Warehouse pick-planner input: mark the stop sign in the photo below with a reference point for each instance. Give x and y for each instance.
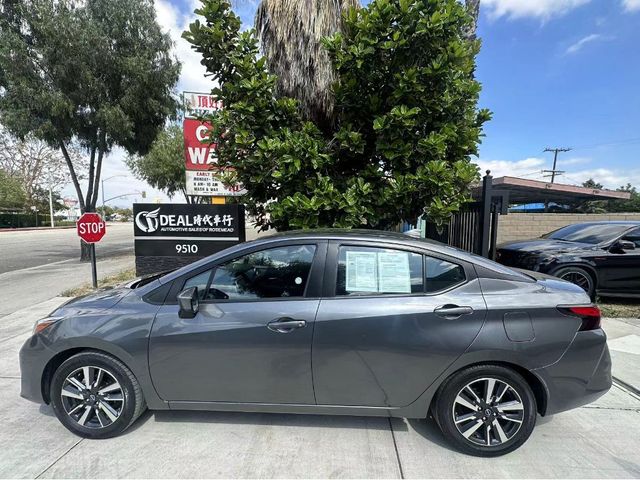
(91, 227)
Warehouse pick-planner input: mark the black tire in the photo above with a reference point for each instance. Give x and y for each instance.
(578, 276)
(106, 415)
(502, 431)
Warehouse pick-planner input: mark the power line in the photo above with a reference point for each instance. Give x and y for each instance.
(555, 160)
(628, 141)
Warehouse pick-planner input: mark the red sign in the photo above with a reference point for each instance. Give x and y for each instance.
(199, 154)
(91, 227)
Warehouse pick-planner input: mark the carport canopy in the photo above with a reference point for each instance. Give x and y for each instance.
(523, 190)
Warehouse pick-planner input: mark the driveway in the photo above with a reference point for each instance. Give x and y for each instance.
(600, 440)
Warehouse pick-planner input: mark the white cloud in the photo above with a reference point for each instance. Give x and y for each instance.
(532, 168)
(609, 178)
(174, 22)
(501, 168)
(577, 46)
(631, 5)
(542, 9)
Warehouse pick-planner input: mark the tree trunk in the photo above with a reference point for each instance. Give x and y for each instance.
(85, 251)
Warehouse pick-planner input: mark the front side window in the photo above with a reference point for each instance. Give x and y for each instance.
(273, 273)
(200, 281)
(378, 271)
(633, 236)
(441, 275)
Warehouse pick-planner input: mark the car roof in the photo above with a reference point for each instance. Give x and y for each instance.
(631, 223)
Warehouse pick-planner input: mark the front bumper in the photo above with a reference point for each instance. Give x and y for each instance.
(581, 376)
(34, 357)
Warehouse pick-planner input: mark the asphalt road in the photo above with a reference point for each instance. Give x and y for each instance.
(36, 265)
(32, 248)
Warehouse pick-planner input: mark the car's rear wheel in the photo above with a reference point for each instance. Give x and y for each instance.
(95, 395)
(579, 277)
(486, 410)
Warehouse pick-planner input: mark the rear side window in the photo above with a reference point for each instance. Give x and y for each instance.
(378, 271)
(441, 275)
(273, 273)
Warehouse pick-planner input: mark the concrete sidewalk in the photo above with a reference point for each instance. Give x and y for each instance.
(600, 440)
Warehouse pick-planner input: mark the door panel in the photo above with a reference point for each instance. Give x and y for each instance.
(227, 353)
(385, 351)
(251, 338)
(619, 270)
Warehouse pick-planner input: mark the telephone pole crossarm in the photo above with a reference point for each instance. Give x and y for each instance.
(555, 160)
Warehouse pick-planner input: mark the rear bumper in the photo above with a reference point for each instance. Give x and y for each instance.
(581, 376)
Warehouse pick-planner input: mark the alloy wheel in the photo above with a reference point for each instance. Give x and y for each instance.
(577, 278)
(488, 412)
(92, 397)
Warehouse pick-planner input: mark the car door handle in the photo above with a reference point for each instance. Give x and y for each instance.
(452, 311)
(286, 325)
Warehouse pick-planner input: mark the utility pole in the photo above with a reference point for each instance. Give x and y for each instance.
(555, 161)
(51, 206)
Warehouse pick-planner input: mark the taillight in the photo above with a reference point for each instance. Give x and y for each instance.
(590, 316)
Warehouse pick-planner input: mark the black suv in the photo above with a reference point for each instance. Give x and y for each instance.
(601, 257)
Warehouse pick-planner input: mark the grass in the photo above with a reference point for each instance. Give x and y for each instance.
(111, 281)
(619, 307)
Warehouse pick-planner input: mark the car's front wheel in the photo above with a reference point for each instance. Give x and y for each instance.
(486, 410)
(95, 395)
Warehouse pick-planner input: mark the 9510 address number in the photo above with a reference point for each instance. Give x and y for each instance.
(185, 248)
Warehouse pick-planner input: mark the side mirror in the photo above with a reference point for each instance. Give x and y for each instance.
(188, 302)
(624, 245)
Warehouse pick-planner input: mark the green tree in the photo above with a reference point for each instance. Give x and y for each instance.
(98, 72)
(406, 121)
(631, 205)
(163, 166)
(12, 195)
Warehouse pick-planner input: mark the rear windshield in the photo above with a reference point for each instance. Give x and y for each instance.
(592, 233)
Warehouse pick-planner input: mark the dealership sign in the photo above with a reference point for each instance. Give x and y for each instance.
(179, 230)
(198, 104)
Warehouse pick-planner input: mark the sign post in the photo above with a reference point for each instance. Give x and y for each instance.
(91, 228)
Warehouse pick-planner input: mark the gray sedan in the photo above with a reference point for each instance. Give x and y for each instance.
(327, 322)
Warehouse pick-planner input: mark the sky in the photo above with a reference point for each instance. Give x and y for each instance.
(555, 73)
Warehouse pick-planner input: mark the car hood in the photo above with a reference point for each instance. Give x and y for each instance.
(100, 300)
(543, 245)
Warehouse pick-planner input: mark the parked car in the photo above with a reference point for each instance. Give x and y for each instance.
(600, 257)
(329, 322)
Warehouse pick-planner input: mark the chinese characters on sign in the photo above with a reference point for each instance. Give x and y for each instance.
(199, 104)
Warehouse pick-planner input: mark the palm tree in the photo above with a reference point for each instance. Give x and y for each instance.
(290, 32)
(473, 7)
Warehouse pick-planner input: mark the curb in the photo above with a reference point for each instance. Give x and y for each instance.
(28, 229)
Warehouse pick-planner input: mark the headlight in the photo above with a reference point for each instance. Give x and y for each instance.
(44, 323)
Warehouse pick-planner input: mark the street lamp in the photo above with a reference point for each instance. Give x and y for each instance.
(104, 180)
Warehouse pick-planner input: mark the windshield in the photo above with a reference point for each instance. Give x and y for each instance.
(592, 233)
